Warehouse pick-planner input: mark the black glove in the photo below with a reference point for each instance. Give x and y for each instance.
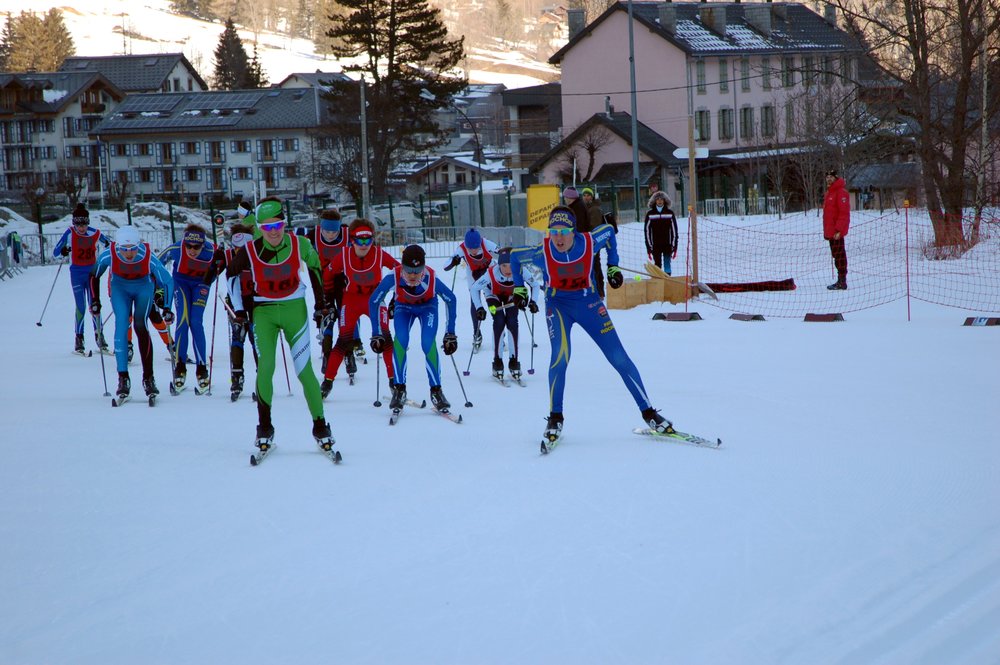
(377, 343)
(533, 307)
(480, 313)
(65, 250)
(241, 317)
(520, 298)
(454, 262)
(168, 316)
(391, 309)
(158, 298)
(319, 315)
(450, 344)
(95, 308)
(615, 277)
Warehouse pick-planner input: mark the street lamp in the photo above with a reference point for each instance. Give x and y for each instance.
(479, 159)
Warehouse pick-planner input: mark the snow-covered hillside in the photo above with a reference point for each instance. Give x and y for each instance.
(97, 27)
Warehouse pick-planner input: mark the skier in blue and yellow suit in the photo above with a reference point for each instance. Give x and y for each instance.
(566, 258)
(194, 272)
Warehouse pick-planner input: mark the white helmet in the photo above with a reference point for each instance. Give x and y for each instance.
(127, 236)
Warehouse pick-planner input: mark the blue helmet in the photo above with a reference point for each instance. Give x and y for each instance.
(473, 240)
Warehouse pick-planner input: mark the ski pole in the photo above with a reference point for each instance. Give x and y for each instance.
(96, 319)
(466, 372)
(378, 380)
(284, 360)
(39, 322)
(211, 350)
(459, 375)
(531, 329)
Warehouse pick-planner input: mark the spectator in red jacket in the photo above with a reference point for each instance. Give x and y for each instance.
(836, 220)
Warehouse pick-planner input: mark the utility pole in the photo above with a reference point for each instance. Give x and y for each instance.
(635, 121)
(364, 152)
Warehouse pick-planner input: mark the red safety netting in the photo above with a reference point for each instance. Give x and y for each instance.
(891, 255)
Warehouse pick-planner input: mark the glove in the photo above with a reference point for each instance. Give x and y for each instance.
(533, 307)
(493, 309)
(319, 315)
(377, 343)
(450, 344)
(95, 308)
(615, 277)
(241, 317)
(454, 262)
(158, 298)
(391, 309)
(65, 250)
(520, 297)
(481, 313)
(168, 316)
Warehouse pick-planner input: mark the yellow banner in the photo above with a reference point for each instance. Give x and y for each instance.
(541, 199)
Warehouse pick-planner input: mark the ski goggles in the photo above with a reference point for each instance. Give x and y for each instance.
(362, 240)
(276, 225)
(560, 231)
(81, 221)
(413, 270)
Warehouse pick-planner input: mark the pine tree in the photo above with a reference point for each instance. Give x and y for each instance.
(256, 76)
(58, 41)
(27, 43)
(186, 7)
(6, 43)
(401, 48)
(231, 63)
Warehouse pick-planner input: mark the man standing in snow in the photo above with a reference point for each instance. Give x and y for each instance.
(836, 220)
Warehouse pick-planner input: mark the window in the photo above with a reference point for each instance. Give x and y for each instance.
(215, 177)
(215, 151)
(723, 75)
(167, 183)
(144, 175)
(745, 74)
(827, 70)
(746, 122)
(240, 146)
(702, 126)
(242, 173)
(765, 73)
(177, 85)
(699, 68)
(119, 150)
(290, 171)
(267, 150)
(190, 84)
(191, 175)
(767, 121)
(808, 70)
(269, 175)
(289, 145)
(121, 176)
(845, 67)
(788, 72)
(725, 124)
(190, 148)
(143, 149)
(790, 129)
(166, 153)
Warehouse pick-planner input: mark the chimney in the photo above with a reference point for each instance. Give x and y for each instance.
(576, 20)
(780, 10)
(759, 18)
(668, 17)
(714, 18)
(609, 108)
(830, 14)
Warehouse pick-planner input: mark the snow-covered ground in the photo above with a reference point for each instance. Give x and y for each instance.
(97, 25)
(851, 516)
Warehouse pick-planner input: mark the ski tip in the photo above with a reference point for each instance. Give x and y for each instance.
(544, 449)
(337, 457)
(114, 402)
(152, 401)
(253, 460)
(718, 443)
(459, 419)
(423, 404)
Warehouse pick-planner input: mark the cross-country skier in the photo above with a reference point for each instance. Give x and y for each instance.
(276, 261)
(566, 258)
(355, 274)
(80, 244)
(417, 290)
(239, 236)
(194, 272)
(494, 292)
(478, 254)
(135, 275)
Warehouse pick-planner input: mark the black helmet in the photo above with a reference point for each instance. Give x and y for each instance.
(414, 257)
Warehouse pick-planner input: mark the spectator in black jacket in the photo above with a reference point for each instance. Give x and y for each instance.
(660, 230)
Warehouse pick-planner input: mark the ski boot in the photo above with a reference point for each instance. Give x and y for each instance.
(498, 369)
(101, 342)
(657, 422)
(321, 432)
(124, 386)
(180, 375)
(477, 341)
(236, 385)
(131, 352)
(438, 400)
(514, 365)
(398, 396)
(149, 385)
(553, 428)
(201, 372)
(359, 352)
(78, 346)
(352, 366)
(325, 387)
(264, 443)
(839, 285)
